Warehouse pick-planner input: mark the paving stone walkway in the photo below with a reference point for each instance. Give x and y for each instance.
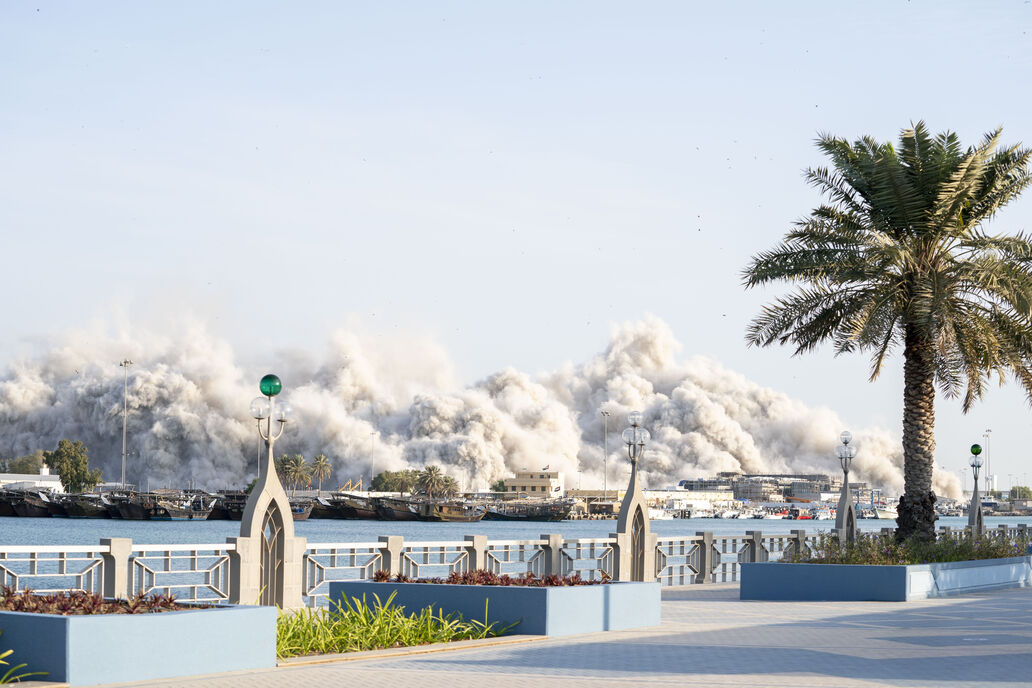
(711, 638)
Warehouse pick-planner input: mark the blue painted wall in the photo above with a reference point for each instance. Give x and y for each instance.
(549, 611)
(87, 650)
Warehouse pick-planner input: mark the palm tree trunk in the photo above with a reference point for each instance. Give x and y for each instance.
(916, 510)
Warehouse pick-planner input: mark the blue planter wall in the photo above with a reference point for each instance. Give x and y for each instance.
(549, 611)
(111, 648)
(779, 581)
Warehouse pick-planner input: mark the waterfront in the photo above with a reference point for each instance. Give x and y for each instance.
(63, 531)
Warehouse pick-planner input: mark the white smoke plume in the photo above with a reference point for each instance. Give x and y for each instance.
(395, 406)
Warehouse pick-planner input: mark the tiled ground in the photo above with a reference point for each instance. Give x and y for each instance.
(710, 638)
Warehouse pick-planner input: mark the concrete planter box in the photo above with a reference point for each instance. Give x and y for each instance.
(113, 648)
(777, 581)
(548, 611)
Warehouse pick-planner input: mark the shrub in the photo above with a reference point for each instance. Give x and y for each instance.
(355, 625)
(75, 602)
(884, 550)
(481, 577)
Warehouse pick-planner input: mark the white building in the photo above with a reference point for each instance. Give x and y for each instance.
(31, 481)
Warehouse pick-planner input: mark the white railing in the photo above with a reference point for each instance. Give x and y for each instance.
(203, 572)
(193, 573)
(50, 569)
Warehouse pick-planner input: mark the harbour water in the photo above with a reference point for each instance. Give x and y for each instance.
(63, 531)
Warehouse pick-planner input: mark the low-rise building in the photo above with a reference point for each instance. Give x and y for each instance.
(543, 483)
(31, 481)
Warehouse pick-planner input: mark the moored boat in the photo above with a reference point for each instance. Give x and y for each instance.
(398, 509)
(528, 511)
(301, 509)
(448, 511)
(31, 505)
(86, 506)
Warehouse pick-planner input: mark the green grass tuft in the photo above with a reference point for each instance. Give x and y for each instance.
(356, 625)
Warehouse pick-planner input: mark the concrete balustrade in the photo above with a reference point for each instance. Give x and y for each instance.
(118, 567)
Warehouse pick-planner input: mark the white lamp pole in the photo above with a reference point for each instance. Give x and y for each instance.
(125, 410)
(605, 455)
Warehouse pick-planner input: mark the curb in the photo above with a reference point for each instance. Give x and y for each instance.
(393, 652)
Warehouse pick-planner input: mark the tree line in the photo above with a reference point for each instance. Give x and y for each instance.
(69, 461)
(431, 481)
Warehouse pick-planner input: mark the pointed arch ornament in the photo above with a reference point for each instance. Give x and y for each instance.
(635, 551)
(267, 555)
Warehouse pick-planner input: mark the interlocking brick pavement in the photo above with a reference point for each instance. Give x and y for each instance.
(710, 638)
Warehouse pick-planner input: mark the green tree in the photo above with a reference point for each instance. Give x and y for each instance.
(1020, 492)
(899, 257)
(72, 465)
(450, 488)
(431, 481)
(28, 464)
(396, 481)
(320, 469)
(297, 471)
(498, 485)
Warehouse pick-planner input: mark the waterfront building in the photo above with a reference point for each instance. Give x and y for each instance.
(544, 483)
(31, 481)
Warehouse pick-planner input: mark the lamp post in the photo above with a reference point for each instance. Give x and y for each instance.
(975, 521)
(988, 461)
(125, 410)
(265, 408)
(267, 556)
(635, 544)
(605, 455)
(845, 517)
(372, 437)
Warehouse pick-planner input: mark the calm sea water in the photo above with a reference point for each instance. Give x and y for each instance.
(63, 531)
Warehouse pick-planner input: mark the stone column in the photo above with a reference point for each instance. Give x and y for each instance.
(390, 553)
(553, 550)
(116, 567)
(476, 552)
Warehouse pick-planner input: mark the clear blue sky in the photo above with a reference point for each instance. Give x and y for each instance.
(510, 178)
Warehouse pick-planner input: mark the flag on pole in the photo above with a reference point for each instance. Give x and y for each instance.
(557, 488)
(546, 467)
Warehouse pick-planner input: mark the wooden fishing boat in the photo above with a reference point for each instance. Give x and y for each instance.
(522, 511)
(359, 506)
(31, 505)
(57, 507)
(86, 506)
(301, 508)
(446, 511)
(398, 510)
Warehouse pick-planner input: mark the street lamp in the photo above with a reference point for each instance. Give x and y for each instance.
(988, 461)
(125, 410)
(635, 437)
(605, 456)
(845, 517)
(975, 520)
(265, 408)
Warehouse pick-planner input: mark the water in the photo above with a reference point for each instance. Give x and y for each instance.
(63, 531)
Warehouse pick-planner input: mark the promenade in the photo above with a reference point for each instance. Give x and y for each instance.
(710, 638)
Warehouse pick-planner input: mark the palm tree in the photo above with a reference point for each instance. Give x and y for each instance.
(899, 258)
(320, 469)
(432, 480)
(296, 471)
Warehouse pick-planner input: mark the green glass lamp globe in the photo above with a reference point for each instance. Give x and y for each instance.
(976, 449)
(270, 385)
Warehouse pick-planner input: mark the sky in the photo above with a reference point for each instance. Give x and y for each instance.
(508, 180)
